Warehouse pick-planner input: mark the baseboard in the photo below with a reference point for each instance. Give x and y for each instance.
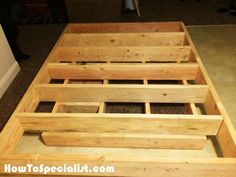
(8, 78)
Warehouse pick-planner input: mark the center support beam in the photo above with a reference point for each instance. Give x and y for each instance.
(123, 123)
(123, 140)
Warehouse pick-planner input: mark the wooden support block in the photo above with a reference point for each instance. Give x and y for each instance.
(191, 108)
(123, 140)
(123, 39)
(123, 123)
(77, 107)
(102, 107)
(170, 71)
(147, 104)
(122, 54)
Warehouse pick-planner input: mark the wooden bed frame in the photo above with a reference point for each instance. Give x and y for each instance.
(85, 59)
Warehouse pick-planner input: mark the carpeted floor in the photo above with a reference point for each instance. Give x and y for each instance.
(38, 40)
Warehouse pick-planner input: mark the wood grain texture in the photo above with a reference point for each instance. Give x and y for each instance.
(152, 71)
(116, 140)
(123, 54)
(130, 123)
(122, 93)
(123, 39)
(125, 27)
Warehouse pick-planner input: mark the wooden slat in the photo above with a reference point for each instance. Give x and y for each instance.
(132, 166)
(123, 140)
(123, 39)
(122, 54)
(152, 71)
(10, 136)
(147, 104)
(122, 93)
(125, 123)
(191, 106)
(125, 27)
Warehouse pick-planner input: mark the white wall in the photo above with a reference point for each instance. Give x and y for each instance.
(9, 68)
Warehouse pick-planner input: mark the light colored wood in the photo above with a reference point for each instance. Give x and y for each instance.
(147, 104)
(121, 140)
(77, 107)
(123, 39)
(122, 54)
(122, 93)
(151, 71)
(218, 125)
(192, 107)
(132, 166)
(226, 139)
(31, 102)
(124, 27)
(10, 136)
(58, 105)
(102, 107)
(130, 123)
(45, 78)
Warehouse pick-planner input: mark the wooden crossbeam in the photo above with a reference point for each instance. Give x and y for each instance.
(122, 93)
(123, 39)
(123, 54)
(151, 71)
(129, 123)
(125, 27)
(123, 140)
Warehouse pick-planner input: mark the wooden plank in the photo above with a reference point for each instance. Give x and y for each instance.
(119, 140)
(191, 107)
(122, 93)
(124, 123)
(129, 166)
(123, 39)
(151, 71)
(122, 54)
(125, 27)
(147, 104)
(10, 136)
